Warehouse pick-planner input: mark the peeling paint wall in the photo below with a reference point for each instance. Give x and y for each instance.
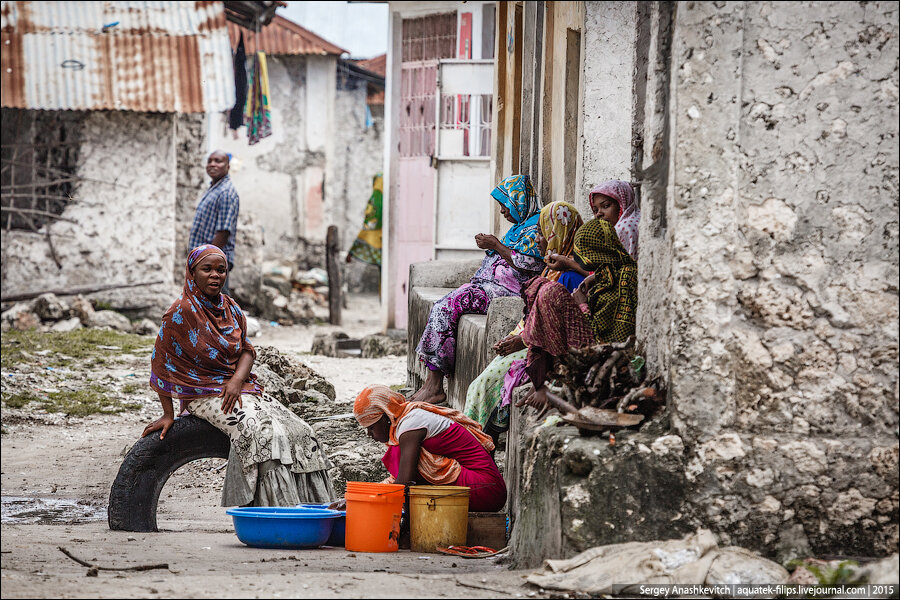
(123, 213)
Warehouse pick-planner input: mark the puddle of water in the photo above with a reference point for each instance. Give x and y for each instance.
(48, 511)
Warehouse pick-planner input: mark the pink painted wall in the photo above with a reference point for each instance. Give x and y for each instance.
(415, 226)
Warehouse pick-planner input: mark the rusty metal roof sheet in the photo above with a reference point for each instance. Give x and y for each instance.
(283, 36)
(377, 64)
(141, 56)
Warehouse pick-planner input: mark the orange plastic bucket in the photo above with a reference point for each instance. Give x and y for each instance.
(373, 516)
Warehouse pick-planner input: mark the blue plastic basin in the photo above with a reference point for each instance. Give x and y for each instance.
(283, 527)
(339, 532)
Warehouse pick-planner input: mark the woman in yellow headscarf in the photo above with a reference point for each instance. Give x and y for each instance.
(559, 221)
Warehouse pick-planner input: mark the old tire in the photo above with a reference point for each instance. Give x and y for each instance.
(147, 466)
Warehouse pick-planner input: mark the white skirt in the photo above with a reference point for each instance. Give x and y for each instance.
(275, 458)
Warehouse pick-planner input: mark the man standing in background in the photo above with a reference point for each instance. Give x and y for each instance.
(215, 221)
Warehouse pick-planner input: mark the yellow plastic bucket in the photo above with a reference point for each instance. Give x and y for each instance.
(438, 516)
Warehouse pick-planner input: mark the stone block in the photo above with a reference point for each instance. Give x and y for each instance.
(377, 345)
(442, 273)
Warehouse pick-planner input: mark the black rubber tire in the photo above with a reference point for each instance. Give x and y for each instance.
(135, 492)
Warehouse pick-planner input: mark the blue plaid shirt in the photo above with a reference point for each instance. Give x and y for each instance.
(217, 211)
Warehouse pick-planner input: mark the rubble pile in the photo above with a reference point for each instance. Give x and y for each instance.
(49, 313)
(288, 295)
(354, 456)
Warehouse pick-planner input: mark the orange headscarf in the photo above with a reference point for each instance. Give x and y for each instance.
(377, 400)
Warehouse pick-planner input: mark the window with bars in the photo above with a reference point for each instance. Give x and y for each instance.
(37, 166)
(429, 38)
(426, 40)
(466, 124)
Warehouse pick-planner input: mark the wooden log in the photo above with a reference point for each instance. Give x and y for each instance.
(90, 289)
(334, 276)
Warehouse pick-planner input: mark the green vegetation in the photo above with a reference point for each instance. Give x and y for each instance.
(80, 403)
(135, 388)
(61, 349)
(18, 400)
(844, 573)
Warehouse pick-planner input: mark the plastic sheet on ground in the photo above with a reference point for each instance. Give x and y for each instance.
(694, 559)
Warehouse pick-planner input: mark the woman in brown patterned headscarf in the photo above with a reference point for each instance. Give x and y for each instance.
(202, 357)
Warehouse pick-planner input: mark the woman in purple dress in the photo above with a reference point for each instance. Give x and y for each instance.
(508, 265)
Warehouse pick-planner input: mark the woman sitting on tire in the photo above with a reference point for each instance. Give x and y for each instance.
(203, 358)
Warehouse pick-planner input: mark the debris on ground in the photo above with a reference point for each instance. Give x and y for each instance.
(338, 344)
(697, 558)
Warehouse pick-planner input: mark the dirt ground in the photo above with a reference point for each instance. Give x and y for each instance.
(57, 472)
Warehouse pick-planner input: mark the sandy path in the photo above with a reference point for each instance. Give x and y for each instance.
(76, 459)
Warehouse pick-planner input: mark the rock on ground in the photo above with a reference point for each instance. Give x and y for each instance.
(111, 319)
(326, 343)
(66, 325)
(50, 308)
(378, 345)
(83, 309)
(146, 327)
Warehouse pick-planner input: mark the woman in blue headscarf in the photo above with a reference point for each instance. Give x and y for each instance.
(508, 265)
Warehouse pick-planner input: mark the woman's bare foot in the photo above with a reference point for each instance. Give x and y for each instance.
(432, 390)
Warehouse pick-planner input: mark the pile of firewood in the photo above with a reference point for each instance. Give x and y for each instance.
(609, 376)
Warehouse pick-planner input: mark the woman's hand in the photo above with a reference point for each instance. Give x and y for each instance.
(339, 504)
(162, 424)
(560, 262)
(486, 241)
(508, 345)
(580, 293)
(231, 395)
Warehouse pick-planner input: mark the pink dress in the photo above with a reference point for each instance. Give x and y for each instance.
(479, 472)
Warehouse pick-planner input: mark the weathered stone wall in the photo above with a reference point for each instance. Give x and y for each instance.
(358, 156)
(281, 178)
(123, 213)
(609, 32)
(191, 180)
(768, 293)
(778, 321)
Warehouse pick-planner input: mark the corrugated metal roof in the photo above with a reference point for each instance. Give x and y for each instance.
(158, 57)
(282, 36)
(377, 64)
